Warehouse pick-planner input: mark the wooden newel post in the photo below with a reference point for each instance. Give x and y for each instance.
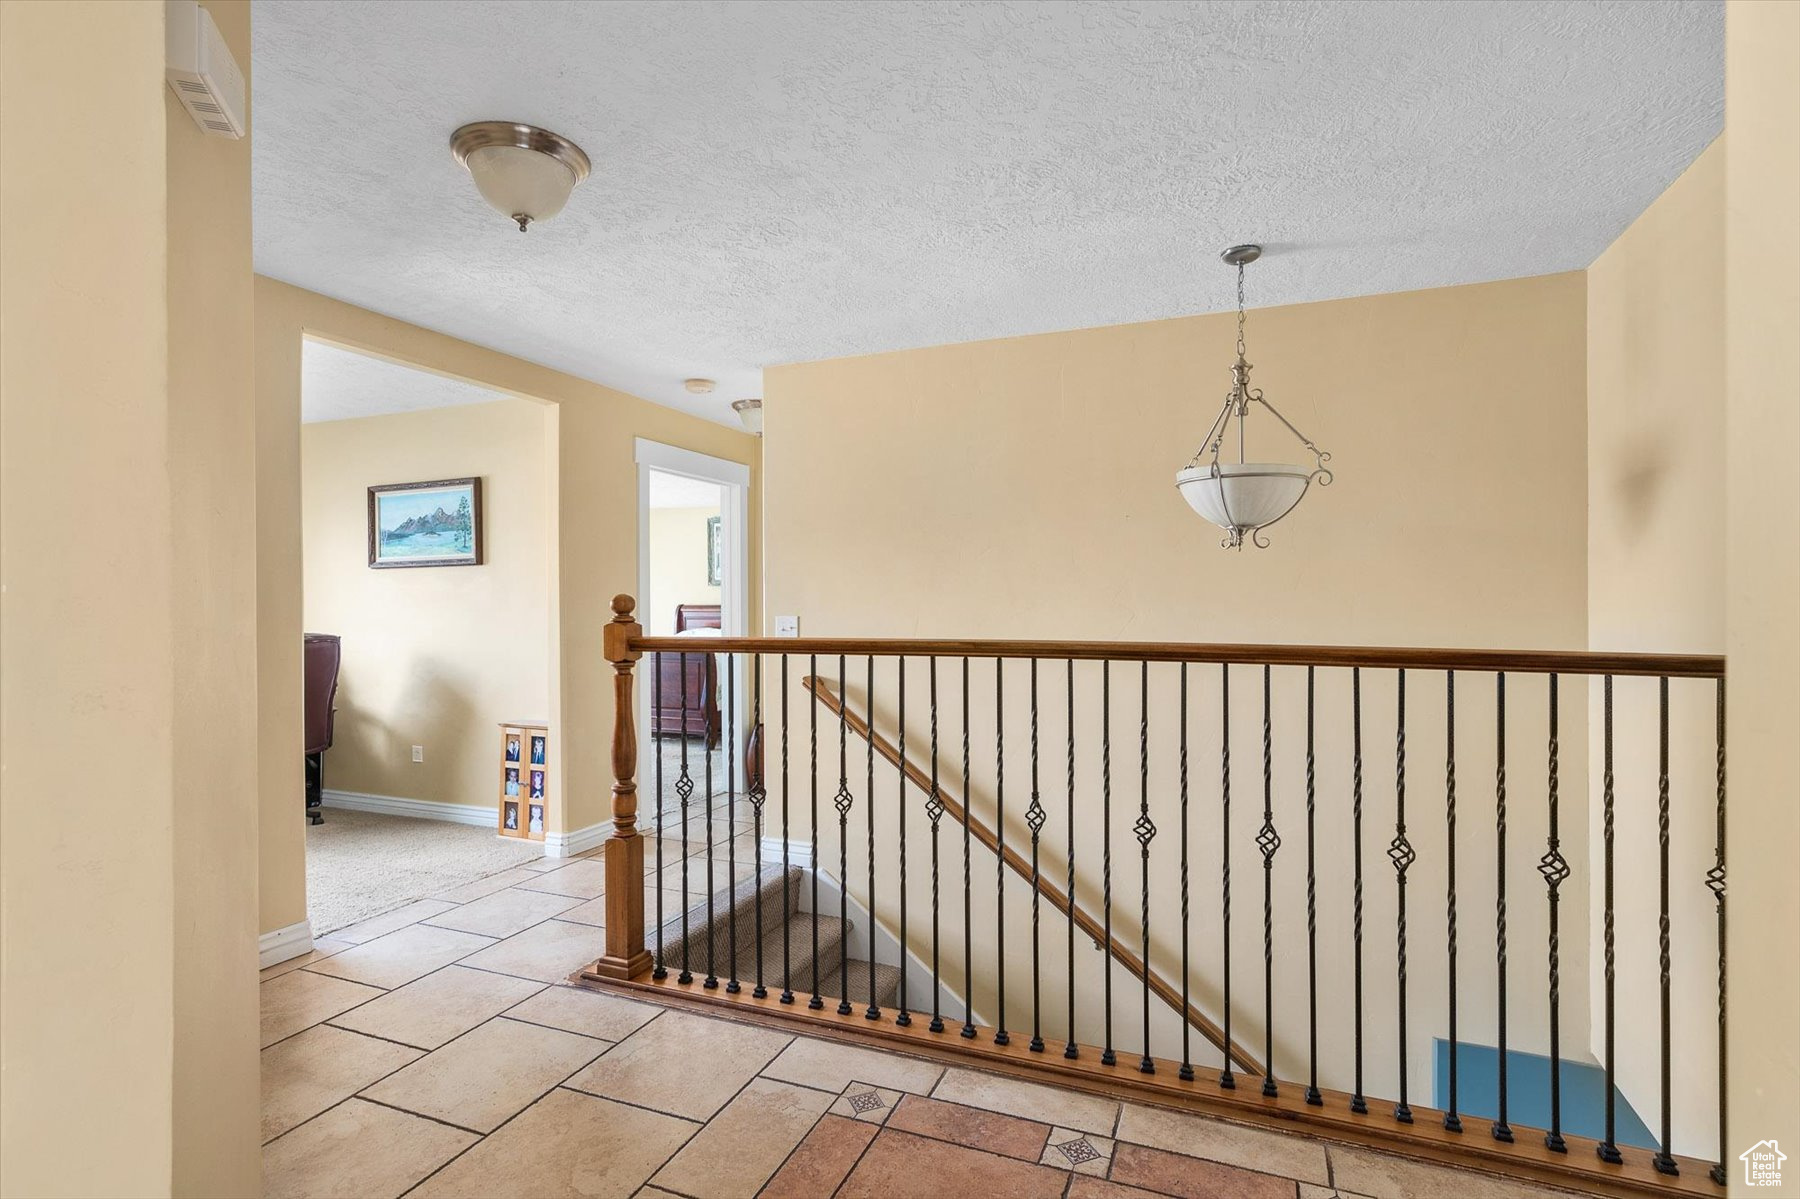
(625, 955)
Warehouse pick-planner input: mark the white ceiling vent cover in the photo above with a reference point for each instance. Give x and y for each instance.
(199, 66)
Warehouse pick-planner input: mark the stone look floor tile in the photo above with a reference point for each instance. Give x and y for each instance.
(322, 948)
(831, 1066)
(897, 1163)
(548, 952)
(565, 1146)
(1216, 1140)
(822, 1160)
(1081, 1187)
(357, 1150)
(485, 1076)
(542, 864)
(469, 892)
(583, 878)
(399, 957)
(1193, 1178)
(862, 1102)
(438, 1008)
(1050, 1105)
(1072, 1149)
(503, 913)
(307, 1073)
(593, 911)
(1361, 1172)
(590, 1013)
(387, 922)
(682, 1064)
(746, 1142)
(301, 999)
(992, 1132)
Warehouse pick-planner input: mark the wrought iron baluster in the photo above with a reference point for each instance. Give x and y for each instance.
(706, 801)
(1664, 1160)
(1000, 1034)
(872, 1011)
(1554, 869)
(1400, 851)
(759, 793)
(1608, 1148)
(843, 801)
(684, 789)
(1070, 1051)
(729, 739)
(1034, 820)
(904, 1018)
(1501, 1129)
(1269, 841)
(1186, 1072)
(968, 1028)
(1358, 1103)
(787, 903)
(1715, 882)
(812, 864)
(1452, 1118)
(1313, 1096)
(934, 811)
(661, 971)
(1227, 1079)
(1107, 1056)
(1146, 832)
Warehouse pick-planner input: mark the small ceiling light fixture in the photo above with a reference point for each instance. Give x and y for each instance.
(700, 387)
(525, 172)
(1244, 498)
(750, 412)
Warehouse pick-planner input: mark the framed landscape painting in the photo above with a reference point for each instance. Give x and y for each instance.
(425, 524)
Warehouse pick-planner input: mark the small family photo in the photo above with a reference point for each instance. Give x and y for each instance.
(537, 784)
(512, 813)
(512, 749)
(537, 751)
(512, 784)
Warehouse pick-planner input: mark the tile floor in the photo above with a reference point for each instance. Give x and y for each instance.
(436, 1051)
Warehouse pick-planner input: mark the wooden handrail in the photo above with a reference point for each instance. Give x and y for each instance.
(1095, 930)
(1578, 662)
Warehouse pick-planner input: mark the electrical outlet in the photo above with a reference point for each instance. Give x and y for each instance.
(418, 753)
(787, 626)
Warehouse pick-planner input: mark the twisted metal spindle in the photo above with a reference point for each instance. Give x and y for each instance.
(1400, 851)
(1358, 1103)
(1000, 1034)
(817, 1001)
(1186, 1072)
(843, 801)
(934, 810)
(1146, 832)
(1502, 1131)
(1034, 820)
(1227, 1080)
(787, 903)
(1107, 1056)
(904, 1018)
(684, 789)
(1554, 869)
(759, 794)
(873, 1011)
(1664, 1159)
(732, 986)
(712, 973)
(1715, 882)
(1608, 1149)
(661, 971)
(1070, 1051)
(1269, 841)
(1313, 1096)
(968, 1027)
(1452, 1118)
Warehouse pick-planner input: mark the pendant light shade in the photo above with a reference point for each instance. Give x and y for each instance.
(1243, 498)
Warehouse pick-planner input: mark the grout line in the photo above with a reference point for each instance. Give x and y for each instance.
(407, 1111)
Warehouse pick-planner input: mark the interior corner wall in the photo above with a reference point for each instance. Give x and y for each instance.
(438, 656)
(1762, 572)
(1656, 583)
(128, 1015)
(593, 523)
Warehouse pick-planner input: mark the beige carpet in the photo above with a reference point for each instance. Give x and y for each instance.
(360, 864)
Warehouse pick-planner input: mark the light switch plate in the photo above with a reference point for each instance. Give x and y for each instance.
(787, 626)
(418, 753)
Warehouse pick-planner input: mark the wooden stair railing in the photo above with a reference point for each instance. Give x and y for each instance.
(1086, 921)
(1555, 1156)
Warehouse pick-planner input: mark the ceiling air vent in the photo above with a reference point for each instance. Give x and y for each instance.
(200, 69)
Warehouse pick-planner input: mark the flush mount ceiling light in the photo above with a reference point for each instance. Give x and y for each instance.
(700, 387)
(1241, 497)
(525, 172)
(750, 412)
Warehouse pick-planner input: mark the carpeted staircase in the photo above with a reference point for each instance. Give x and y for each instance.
(806, 938)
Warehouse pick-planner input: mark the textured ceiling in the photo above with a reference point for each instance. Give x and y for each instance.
(779, 182)
(337, 384)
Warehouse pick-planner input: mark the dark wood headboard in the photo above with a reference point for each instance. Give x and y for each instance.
(696, 616)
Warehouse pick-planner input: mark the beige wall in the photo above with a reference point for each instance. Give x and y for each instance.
(432, 657)
(593, 526)
(1762, 367)
(128, 1002)
(1024, 488)
(677, 565)
(1656, 582)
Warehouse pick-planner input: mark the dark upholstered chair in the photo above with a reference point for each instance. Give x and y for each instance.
(322, 654)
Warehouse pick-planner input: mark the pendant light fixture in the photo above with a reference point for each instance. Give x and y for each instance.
(1242, 497)
(526, 173)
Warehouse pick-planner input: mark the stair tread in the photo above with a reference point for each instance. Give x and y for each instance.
(887, 983)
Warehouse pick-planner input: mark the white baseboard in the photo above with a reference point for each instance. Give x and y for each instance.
(799, 853)
(556, 845)
(284, 944)
(420, 809)
(567, 845)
